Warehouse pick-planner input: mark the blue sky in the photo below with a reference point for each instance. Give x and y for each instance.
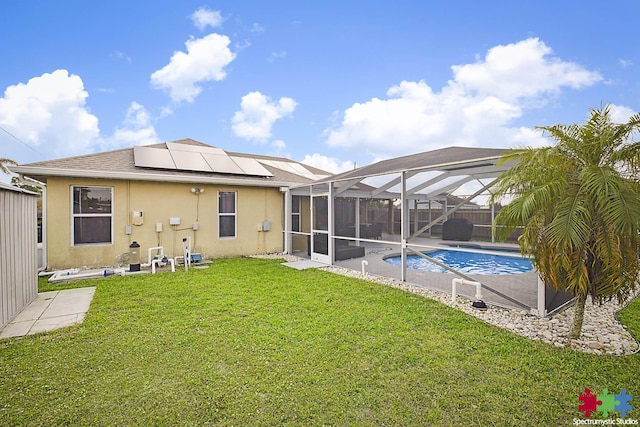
(327, 83)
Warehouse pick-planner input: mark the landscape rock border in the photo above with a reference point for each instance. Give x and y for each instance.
(602, 333)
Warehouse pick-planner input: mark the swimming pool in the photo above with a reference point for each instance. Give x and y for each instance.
(466, 262)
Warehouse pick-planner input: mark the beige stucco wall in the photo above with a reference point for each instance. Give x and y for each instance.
(159, 202)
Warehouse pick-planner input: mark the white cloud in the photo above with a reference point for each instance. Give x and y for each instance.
(258, 114)
(276, 55)
(256, 28)
(49, 112)
(620, 113)
(522, 70)
(278, 145)
(203, 18)
(136, 129)
(475, 108)
(120, 56)
(205, 60)
(625, 63)
(329, 164)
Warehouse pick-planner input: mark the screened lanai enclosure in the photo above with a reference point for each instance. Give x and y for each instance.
(399, 218)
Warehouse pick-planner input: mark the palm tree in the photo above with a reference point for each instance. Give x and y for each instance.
(579, 203)
(4, 162)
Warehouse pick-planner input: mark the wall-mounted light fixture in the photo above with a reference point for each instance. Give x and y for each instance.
(196, 190)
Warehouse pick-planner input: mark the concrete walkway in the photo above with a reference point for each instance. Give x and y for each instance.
(49, 311)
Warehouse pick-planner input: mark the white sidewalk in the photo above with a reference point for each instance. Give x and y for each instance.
(51, 310)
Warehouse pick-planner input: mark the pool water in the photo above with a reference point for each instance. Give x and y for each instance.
(466, 262)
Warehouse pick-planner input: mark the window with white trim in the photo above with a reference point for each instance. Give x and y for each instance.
(92, 215)
(295, 213)
(226, 214)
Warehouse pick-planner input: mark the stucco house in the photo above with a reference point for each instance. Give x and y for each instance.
(224, 203)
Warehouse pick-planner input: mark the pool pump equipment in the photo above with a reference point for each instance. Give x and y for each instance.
(134, 256)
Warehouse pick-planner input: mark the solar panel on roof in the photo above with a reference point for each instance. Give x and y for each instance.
(290, 167)
(303, 171)
(197, 158)
(153, 158)
(222, 164)
(175, 146)
(268, 162)
(285, 166)
(190, 161)
(251, 166)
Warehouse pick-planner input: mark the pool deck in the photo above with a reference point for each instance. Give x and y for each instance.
(516, 291)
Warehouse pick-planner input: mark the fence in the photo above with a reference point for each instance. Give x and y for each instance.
(479, 217)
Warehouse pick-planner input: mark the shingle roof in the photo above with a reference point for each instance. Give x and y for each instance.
(121, 164)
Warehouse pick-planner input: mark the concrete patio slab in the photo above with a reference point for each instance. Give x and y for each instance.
(49, 311)
(302, 265)
(34, 310)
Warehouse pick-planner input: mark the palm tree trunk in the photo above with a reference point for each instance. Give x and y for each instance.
(578, 317)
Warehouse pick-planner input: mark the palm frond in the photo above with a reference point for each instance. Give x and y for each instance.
(578, 202)
(5, 161)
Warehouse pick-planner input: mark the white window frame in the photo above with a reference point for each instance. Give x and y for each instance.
(91, 215)
(227, 214)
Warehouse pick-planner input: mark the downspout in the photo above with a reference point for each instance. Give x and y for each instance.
(43, 187)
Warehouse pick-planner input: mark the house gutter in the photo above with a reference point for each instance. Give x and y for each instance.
(136, 176)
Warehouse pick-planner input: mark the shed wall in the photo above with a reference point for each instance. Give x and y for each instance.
(18, 253)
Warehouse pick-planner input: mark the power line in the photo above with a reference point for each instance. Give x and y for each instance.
(20, 141)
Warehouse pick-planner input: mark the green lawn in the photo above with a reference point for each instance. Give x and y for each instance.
(251, 342)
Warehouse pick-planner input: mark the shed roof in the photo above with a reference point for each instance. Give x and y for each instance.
(7, 187)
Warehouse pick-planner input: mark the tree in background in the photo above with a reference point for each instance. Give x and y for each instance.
(3, 165)
(579, 204)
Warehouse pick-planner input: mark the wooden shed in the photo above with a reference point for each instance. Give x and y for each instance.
(18, 251)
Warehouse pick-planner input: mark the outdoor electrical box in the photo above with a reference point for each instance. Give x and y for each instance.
(195, 226)
(266, 225)
(127, 229)
(158, 227)
(174, 221)
(137, 218)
